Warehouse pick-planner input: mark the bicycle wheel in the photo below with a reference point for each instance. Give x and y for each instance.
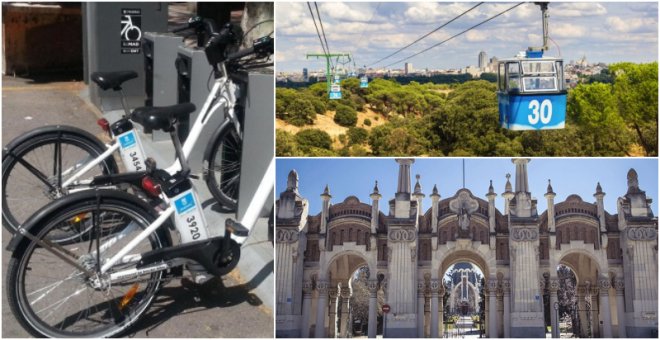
(34, 168)
(50, 297)
(224, 167)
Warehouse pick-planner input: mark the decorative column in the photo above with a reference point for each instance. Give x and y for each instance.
(507, 195)
(435, 198)
(332, 323)
(375, 212)
(492, 308)
(604, 285)
(599, 195)
(435, 285)
(325, 197)
(554, 307)
(420, 308)
(441, 317)
(506, 286)
(582, 309)
(321, 312)
(550, 197)
(620, 307)
(344, 323)
(491, 195)
(373, 305)
(306, 308)
(418, 196)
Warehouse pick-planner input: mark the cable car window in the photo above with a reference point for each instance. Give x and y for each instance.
(534, 84)
(538, 67)
(513, 76)
(335, 88)
(500, 78)
(560, 75)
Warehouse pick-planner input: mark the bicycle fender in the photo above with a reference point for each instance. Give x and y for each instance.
(226, 124)
(34, 133)
(38, 220)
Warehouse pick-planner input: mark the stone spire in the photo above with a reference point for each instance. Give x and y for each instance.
(550, 197)
(549, 190)
(418, 188)
(507, 194)
(600, 205)
(633, 182)
(491, 210)
(292, 181)
(435, 199)
(325, 212)
(418, 196)
(375, 210)
(403, 184)
(521, 174)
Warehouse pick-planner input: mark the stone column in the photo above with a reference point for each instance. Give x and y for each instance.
(554, 318)
(582, 313)
(435, 285)
(345, 311)
(373, 305)
(420, 308)
(506, 285)
(492, 308)
(620, 307)
(332, 323)
(604, 285)
(321, 312)
(441, 316)
(306, 308)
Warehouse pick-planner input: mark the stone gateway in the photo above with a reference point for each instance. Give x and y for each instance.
(614, 257)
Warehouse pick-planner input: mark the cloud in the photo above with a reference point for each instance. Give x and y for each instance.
(577, 9)
(618, 24)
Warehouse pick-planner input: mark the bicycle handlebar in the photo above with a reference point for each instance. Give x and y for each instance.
(262, 46)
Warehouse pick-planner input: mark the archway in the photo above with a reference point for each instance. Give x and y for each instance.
(581, 295)
(343, 270)
(465, 306)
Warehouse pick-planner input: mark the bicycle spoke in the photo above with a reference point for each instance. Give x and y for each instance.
(40, 176)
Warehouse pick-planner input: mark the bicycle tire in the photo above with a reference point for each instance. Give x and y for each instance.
(224, 166)
(82, 305)
(28, 146)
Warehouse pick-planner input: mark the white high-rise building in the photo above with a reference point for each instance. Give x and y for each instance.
(408, 68)
(483, 60)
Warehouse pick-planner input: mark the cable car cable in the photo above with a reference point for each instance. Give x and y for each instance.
(373, 14)
(427, 34)
(322, 30)
(317, 29)
(454, 36)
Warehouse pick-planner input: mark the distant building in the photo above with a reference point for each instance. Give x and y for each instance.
(305, 75)
(483, 60)
(408, 68)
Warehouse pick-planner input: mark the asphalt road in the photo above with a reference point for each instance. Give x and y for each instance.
(227, 307)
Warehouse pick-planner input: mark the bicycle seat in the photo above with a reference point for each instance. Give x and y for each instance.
(161, 118)
(112, 80)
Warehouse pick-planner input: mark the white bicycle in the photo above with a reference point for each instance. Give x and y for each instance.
(100, 279)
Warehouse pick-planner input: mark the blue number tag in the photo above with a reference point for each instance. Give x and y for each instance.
(127, 140)
(335, 95)
(185, 203)
(537, 112)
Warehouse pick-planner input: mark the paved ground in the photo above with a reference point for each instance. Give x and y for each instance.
(238, 305)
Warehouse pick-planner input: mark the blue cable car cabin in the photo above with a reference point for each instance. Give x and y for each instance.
(531, 92)
(335, 91)
(364, 82)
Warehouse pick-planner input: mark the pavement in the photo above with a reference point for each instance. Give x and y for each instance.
(239, 304)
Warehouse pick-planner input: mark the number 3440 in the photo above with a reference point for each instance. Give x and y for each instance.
(540, 111)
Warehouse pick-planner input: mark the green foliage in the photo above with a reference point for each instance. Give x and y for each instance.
(491, 77)
(357, 135)
(614, 113)
(636, 91)
(285, 144)
(345, 116)
(310, 139)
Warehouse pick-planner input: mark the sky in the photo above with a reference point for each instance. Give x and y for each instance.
(602, 31)
(346, 177)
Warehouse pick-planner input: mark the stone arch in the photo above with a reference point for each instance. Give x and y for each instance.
(452, 256)
(573, 255)
(353, 260)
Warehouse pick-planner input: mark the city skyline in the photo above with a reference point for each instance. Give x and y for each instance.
(604, 32)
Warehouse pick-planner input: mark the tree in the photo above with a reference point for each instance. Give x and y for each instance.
(300, 112)
(285, 144)
(345, 116)
(636, 93)
(313, 138)
(357, 135)
(567, 295)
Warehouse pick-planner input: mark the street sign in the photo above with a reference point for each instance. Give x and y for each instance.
(386, 309)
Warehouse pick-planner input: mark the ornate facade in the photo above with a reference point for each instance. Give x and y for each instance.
(407, 251)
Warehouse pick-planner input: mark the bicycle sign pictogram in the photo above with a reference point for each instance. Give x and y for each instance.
(131, 33)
